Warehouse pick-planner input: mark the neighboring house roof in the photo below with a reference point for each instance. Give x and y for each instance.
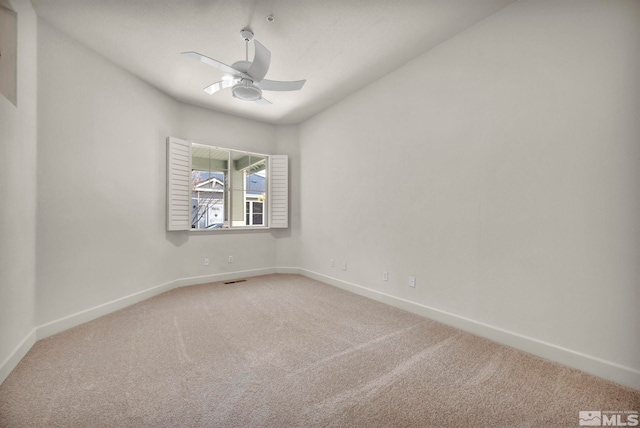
(254, 184)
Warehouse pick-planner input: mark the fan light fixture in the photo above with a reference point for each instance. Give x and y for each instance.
(246, 91)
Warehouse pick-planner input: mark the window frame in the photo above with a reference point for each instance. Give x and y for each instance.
(276, 186)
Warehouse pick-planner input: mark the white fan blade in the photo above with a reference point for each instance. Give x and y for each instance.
(214, 63)
(273, 85)
(260, 64)
(262, 101)
(224, 83)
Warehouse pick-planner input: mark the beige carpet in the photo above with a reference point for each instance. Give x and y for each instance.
(284, 350)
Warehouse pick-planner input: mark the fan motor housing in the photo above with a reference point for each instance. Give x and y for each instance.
(242, 66)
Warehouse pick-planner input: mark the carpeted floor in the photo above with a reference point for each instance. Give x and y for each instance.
(284, 350)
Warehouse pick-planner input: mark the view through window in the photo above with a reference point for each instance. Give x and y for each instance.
(228, 188)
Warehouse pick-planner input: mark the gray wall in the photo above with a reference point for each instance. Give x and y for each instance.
(101, 214)
(18, 145)
(502, 170)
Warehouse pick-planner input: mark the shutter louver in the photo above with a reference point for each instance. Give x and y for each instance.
(178, 184)
(279, 191)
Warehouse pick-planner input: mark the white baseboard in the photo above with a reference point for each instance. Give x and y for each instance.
(609, 370)
(89, 314)
(17, 354)
(65, 323)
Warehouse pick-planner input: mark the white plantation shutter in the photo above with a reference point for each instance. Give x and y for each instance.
(279, 191)
(178, 184)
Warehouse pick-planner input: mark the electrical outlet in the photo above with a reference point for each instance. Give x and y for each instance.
(412, 281)
(206, 261)
(230, 259)
(344, 265)
(385, 276)
(331, 264)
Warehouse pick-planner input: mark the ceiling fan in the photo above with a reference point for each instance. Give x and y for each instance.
(246, 78)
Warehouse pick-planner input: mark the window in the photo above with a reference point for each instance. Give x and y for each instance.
(254, 213)
(212, 188)
(209, 184)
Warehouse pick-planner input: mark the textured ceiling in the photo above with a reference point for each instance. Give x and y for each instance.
(339, 46)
